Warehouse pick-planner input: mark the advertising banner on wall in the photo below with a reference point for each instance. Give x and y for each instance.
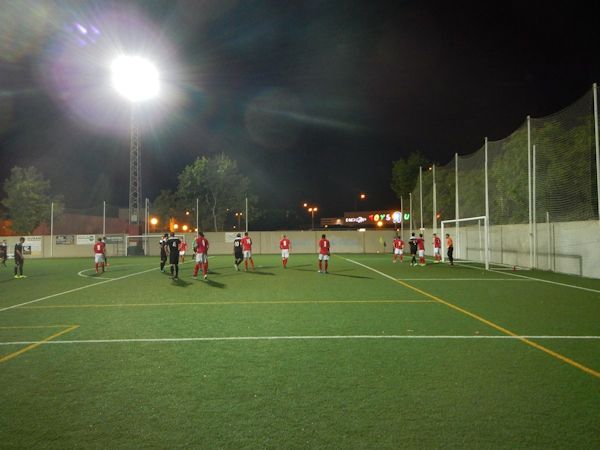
(86, 239)
(33, 245)
(65, 239)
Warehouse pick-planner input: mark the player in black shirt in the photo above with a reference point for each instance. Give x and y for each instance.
(173, 249)
(412, 242)
(3, 252)
(237, 251)
(19, 258)
(163, 251)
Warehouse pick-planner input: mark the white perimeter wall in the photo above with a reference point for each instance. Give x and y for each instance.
(568, 247)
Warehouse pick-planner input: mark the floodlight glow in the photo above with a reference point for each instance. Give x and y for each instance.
(135, 78)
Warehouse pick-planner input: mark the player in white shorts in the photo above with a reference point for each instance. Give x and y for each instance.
(285, 245)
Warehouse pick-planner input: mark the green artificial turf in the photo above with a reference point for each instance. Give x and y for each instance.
(371, 355)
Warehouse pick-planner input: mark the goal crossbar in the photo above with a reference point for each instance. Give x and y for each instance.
(485, 234)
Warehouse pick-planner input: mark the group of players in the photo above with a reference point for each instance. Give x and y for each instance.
(173, 248)
(417, 246)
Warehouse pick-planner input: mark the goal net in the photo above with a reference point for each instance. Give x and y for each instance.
(470, 238)
(145, 245)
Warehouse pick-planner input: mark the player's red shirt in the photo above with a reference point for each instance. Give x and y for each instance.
(201, 244)
(398, 243)
(284, 244)
(99, 247)
(324, 246)
(437, 242)
(421, 243)
(182, 246)
(247, 243)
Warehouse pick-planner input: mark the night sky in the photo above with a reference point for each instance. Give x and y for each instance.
(314, 99)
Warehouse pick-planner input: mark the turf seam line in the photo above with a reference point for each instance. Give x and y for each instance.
(487, 322)
(33, 345)
(290, 338)
(76, 289)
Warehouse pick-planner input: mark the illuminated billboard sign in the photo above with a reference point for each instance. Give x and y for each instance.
(374, 217)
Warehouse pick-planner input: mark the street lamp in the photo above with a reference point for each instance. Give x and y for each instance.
(154, 222)
(312, 210)
(136, 79)
(361, 196)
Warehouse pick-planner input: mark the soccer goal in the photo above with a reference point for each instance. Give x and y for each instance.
(470, 237)
(144, 244)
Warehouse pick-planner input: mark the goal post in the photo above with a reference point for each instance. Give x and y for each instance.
(144, 244)
(473, 239)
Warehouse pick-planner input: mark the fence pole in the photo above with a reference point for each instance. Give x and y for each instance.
(549, 240)
(595, 90)
(421, 196)
(402, 218)
(533, 211)
(529, 191)
(456, 212)
(51, 229)
(197, 215)
(487, 207)
(434, 200)
(410, 211)
(104, 218)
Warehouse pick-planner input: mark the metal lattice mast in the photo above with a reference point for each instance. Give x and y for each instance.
(135, 170)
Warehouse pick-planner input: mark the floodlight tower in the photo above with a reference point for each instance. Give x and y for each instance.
(136, 79)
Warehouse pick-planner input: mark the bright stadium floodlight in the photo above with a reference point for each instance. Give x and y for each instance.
(135, 78)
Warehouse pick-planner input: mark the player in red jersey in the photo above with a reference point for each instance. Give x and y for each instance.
(99, 249)
(398, 249)
(201, 250)
(324, 253)
(247, 247)
(182, 250)
(285, 245)
(437, 245)
(421, 247)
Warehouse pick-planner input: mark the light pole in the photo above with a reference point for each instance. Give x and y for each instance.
(312, 210)
(239, 218)
(136, 79)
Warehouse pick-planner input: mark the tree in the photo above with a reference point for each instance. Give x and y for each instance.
(166, 205)
(28, 199)
(405, 173)
(217, 183)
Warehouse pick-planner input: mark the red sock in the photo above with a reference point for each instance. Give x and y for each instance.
(96, 267)
(320, 265)
(196, 267)
(252, 262)
(326, 265)
(246, 264)
(205, 268)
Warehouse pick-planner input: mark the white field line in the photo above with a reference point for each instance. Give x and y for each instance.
(76, 289)
(550, 282)
(541, 280)
(293, 338)
(460, 279)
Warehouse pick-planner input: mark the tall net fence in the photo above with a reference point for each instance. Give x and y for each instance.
(564, 163)
(542, 179)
